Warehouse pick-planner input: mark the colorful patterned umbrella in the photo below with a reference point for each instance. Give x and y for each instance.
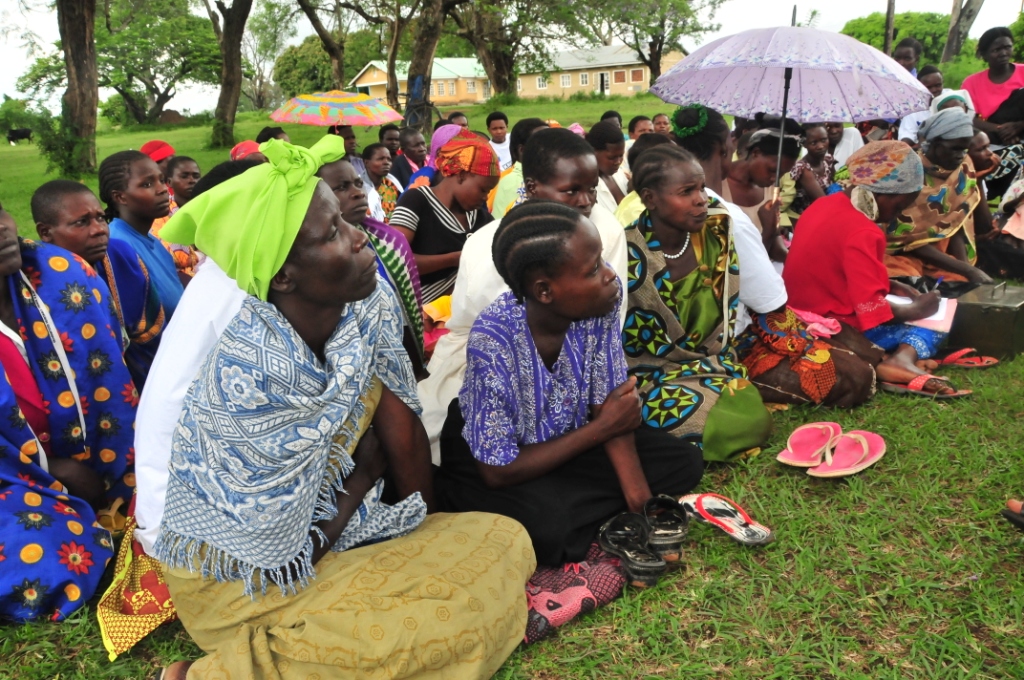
(335, 108)
(834, 77)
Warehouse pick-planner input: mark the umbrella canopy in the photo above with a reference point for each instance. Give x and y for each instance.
(335, 108)
(834, 77)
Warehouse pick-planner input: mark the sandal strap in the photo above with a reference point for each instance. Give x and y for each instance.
(959, 354)
(817, 426)
(918, 383)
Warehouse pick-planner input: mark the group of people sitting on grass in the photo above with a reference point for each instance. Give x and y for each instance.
(394, 413)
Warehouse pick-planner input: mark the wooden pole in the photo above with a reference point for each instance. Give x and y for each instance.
(890, 17)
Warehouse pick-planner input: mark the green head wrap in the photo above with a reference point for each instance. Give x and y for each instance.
(248, 224)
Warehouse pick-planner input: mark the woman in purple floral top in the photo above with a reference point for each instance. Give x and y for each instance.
(547, 429)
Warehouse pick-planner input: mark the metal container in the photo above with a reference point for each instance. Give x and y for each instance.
(990, 319)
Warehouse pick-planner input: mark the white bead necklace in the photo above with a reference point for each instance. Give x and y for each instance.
(680, 253)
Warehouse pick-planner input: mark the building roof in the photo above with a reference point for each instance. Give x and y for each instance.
(598, 57)
(446, 68)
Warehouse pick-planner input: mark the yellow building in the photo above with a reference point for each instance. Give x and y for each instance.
(611, 69)
(452, 81)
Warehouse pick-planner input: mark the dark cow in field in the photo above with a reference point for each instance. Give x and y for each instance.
(20, 133)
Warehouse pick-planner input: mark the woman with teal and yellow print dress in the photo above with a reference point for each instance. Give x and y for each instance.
(683, 303)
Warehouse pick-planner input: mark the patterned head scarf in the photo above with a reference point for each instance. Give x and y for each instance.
(248, 224)
(947, 124)
(886, 168)
(441, 136)
(468, 153)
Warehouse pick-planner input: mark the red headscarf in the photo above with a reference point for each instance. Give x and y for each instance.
(466, 152)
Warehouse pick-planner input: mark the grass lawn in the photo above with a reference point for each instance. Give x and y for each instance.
(903, 571)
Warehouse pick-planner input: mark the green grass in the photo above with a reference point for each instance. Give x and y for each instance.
(903, 571)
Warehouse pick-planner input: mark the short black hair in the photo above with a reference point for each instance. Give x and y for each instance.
(532, 236)
(701, 143)
(406, 134)
(603, 135)
(222, 173)
(634, 121)
(912, 43)
(114, 173)
(387, 128)
(521, 131)
(652, 166)
(369, 150)
(990, 36)
(47, 198)
(660, 115)
(175, 162)
(268, 133)
(807, 127)
(928, 70)
(336, 129)
(544, 149)
(644, 143)
(496, 115)
(612, 114)
(456, 114)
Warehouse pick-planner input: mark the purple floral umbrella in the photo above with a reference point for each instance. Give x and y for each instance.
(831, 77)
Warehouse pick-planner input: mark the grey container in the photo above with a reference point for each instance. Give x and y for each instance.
(990, 319)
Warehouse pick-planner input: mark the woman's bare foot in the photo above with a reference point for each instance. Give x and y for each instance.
(927, 365)
(900, 367)
(1015, 506)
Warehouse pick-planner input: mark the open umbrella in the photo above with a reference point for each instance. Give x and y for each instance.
(806, 74)
(335, 108)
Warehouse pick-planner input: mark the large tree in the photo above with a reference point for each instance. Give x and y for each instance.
(960, 22)
(332, 36)
(306, 67)
(229, 38)
(429, 27)
(79, 106)
(269, 29)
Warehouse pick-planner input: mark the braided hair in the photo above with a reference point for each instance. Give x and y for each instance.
(700, 137)
(546, 147)
(115, 172)
(653, 165)
(532, 236)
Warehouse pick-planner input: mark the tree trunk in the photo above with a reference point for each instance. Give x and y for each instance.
(960, 22)
(397, 28)
(890, 18)
(424, 46)
(335, 49)
(76, 21)
(655, 50)
(135, 109)
(230, 71)
(485, 32)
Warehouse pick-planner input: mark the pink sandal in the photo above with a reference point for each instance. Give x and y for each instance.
(854, 451)
(808, 444)
(960, 358)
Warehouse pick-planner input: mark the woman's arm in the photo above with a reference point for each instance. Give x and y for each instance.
(406, 447)
(622, 453)
(924, 306)
(929, 254)
(618, 416)
(810, 185)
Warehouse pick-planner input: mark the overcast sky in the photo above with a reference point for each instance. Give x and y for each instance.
(734, 16)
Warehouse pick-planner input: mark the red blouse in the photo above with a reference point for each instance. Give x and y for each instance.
(835, 265)
(26, 391)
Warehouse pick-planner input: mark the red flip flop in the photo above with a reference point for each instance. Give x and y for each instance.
(728, 516)
(916, 387)
(960, 359)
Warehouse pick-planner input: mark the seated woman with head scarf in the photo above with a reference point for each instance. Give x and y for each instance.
(836, 269)
(274, 514)
(68, 408)
(437, 220)
(935, 235)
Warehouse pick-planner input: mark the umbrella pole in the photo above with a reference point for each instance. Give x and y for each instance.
(782, 134)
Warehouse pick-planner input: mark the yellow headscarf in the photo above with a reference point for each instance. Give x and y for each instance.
(248, 224)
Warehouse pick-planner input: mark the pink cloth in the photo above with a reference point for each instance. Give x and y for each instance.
(817, 325)
(987, 95)
(442, 136)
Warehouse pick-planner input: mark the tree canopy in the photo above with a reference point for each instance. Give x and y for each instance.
(306, 67)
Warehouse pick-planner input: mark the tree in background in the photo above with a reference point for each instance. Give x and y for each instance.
(268, 30)
(229, 39)
(930, 30)
(1018, 38)
(14, 114)
(75, 133)
(426, 36)
(393, 16)
(960, 22)
(509, 35)
(306, 68)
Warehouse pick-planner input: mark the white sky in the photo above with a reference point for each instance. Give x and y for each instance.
(734, 16)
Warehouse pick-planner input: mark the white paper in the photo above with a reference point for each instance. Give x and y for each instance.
(937, 316)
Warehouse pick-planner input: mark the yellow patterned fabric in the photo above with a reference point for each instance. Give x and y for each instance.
(447, 600)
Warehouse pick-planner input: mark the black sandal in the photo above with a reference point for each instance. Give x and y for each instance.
(669, 523)
(625, 536)
(1013, 518)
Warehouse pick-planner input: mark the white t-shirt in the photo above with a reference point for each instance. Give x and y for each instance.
(850, 142)
(478, 284)
(604, 194)
(206, 308)
(504, 153)
(911, 124)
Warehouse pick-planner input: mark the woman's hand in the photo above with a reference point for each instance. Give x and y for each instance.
(768, 214)
(898, 288)
(79, 479)
(925, 305)
(620, 413)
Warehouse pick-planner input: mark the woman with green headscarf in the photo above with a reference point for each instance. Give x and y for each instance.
(279, 551)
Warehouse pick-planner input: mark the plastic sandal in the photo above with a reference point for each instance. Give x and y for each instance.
(669, 523)
(959, 358)
(916, 387)
(727, 515)
(808, 444)
(625, 536)
(855, 451)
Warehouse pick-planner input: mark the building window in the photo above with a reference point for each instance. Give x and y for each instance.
(431, 89)
(451, 88)
(619, 77)
(566, 80)
(542, 83)
(636, 75)
(584, 79)
(487, 88)
(471, 86)
(519, 84)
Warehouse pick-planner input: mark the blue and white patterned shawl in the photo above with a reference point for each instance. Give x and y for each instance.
(254, 461)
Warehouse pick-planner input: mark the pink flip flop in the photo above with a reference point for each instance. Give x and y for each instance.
(855, 451)
(808, 444)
